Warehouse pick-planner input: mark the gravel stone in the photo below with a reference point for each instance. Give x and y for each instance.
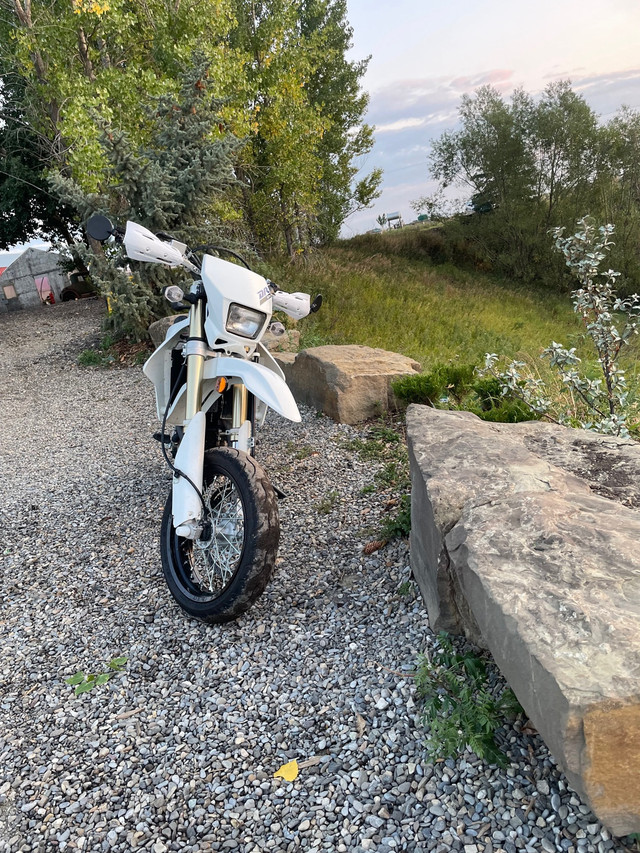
(178, 752)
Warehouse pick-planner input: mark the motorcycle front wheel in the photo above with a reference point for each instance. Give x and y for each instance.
(219, 576)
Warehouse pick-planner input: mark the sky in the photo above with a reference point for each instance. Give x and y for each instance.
(425, 55)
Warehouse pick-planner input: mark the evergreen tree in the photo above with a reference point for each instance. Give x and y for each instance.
(279, 65)
(76, 58)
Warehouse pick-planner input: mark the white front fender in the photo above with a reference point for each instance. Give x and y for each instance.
(261, 382)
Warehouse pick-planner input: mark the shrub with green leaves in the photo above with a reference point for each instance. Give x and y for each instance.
(398, 526)
(443, 382)
(604, 403)
(458, 705)
(458, 387)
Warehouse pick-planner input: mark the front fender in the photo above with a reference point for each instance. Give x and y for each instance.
(261, 382)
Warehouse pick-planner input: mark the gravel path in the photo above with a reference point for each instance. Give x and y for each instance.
(179, 752)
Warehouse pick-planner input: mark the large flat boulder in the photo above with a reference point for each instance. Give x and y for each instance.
(525, 538)
(348, 383)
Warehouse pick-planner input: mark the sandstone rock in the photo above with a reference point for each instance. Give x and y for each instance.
(512, 548)
(348, 383)
(285, 360)
(287, 342)
(158, 330)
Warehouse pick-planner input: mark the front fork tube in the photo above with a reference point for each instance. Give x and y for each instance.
(241, 427)
(196, 349)
(240, 405)
(187, 489)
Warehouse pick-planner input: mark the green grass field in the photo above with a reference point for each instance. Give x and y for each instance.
(435, 314)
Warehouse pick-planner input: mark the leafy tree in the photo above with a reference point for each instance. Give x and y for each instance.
(85, 61)
(564, 139)
(531, 165)
(334, 89)
(279, 66)
(303, 102)
(176, 183)
(280, 166)
(28, 208)
(489, 153)
(618, 187)
(70, 67)
(491, 158)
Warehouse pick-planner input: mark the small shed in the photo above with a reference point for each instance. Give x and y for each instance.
(34, 278)
(394, 220)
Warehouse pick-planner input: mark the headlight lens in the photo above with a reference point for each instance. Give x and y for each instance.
(244, 321)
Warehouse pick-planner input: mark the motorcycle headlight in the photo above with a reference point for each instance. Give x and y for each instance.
(244, 321)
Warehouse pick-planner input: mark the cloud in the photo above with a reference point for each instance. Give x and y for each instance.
(401, 124)
(409, 114)
(429, 99)
(431, 104)
(606, 93)
(498, 77)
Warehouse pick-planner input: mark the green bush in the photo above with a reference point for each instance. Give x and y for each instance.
(457, 386)
(508, 412)
(424, 388)
(488, 390)
(444, 381)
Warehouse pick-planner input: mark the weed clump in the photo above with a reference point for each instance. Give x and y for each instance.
(460, 705)
(383, 443)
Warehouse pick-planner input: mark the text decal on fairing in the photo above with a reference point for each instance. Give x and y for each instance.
(264, 294)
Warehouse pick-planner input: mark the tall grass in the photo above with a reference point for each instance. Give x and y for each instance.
(434, 314)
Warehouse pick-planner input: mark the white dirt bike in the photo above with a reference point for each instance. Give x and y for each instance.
(214, 382)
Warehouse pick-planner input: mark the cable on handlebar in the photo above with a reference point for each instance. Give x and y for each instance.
(208, 248)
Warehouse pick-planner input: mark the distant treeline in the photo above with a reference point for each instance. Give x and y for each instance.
(528, 166)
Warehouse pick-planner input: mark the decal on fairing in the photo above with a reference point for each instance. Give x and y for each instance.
(264, 294)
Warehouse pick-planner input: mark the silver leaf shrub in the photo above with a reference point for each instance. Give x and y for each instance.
(604, 404)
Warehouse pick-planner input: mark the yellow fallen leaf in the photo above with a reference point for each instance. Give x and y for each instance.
(288, 771)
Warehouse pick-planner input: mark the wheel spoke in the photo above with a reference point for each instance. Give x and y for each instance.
(215, 561)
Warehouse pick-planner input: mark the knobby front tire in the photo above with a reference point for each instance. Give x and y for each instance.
(219, 576)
